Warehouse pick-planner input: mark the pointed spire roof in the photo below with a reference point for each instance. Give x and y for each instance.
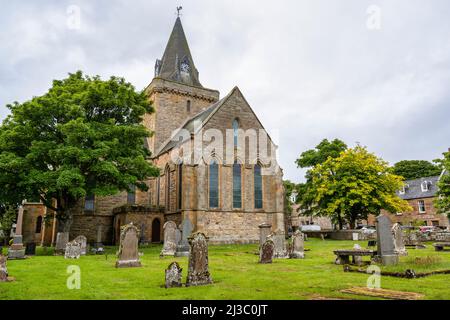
(177, 63)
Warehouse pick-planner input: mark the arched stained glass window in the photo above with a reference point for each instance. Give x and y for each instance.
(235, 131)
(213, 185)
(258, 187)
(237, 186)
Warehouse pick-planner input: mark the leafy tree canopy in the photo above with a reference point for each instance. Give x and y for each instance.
(84, 136)
(355, 184)
(413, 169)
(443, 201)
(321, 153)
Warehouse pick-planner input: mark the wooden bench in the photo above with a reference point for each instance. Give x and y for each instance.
(439, 246)
(343, 256)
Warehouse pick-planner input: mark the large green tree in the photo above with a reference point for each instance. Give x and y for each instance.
(443, 200)
(355, 184)
(8, 216)
(413, 169)
(84, 136)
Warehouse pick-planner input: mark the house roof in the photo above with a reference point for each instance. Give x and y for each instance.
(413, 188)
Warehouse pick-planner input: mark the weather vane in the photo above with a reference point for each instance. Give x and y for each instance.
(178, 10)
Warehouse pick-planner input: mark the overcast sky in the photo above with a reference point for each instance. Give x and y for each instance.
(373, 72)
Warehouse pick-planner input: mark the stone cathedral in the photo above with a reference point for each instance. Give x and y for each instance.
(227, 200)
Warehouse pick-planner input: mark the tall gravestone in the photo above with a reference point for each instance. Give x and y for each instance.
(385, 241)
(298, 245)
(198, 269)
(173, 275)
(128, 248)
(99, 243)
(266, 252)
(3, 269)
(82, 240)
(279, 241)
(399, 244)
(73, 250)
(17, 250)
(264, 231)
(62, 238)
(183, 244)
(170, 239)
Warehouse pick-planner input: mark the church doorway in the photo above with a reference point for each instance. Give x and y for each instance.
(156, 230)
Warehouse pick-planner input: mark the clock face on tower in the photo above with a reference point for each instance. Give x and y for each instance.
(185, 66)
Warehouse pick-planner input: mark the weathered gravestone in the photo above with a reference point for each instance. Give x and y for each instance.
(266, 252)
(298, 245)
(442, 236)
(264, 231)
(279, 241)
(73, 250)
(183, 244)
(399, 245)
(17, 251)
(385, 241)
(62, 238)
(82, 240)
(128, 249)
(173, 275)
(170, 239)
(198, 273)
(3, 269)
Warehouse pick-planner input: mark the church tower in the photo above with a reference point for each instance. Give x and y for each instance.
(176, 91)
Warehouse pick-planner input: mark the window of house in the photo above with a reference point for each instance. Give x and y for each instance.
(235, 131)
(39, 224)
(237, 186)
(131, 197)
(188, 106)
(258, 187)
(89, 202)
(422, 206)
(213, 185)
(425, 186)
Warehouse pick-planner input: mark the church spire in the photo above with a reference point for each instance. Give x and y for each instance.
(177, 63)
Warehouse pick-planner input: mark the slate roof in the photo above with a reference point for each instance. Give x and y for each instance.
(413, 188)
(177, 51)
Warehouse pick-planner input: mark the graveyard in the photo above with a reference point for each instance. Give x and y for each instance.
(235, 272)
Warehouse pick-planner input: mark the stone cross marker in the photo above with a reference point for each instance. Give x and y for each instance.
(73, 250)
(279, 242)
(385, 241)
(266, 252)
(173, 275)
(183, 245)
(399, 245)
(17, 251)
(198, 270)
(3, 270)
(62, 238)
(128, 249)
(82, 240)
(298, 245)
(170, 239)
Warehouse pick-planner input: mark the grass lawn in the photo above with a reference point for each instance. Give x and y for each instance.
(234, 269)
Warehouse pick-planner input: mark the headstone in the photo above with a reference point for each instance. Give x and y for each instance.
(3, 269)
(30, 249)
(266, 252)
(279, 241)
(62, 238)
(264, 231)
(82, 240)
(298, 245)
(385, 241)
(198, 273)
(73, 250)
(173, 275)
(357, 259)
(442, 236)
(183, 245)
(99, 236)
(399, 245)
(128, 249)
(17, 251)
(170, 239)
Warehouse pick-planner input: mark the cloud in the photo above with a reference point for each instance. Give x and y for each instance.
(310, 69)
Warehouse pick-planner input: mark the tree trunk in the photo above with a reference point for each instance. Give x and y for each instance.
(65, 219)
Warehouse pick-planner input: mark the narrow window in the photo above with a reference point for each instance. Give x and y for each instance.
(235, 131)
(39, 224)
(258, 187)
(131, 197)
(89, 201)
(180, 185)
(158, 188)
(422, 206)
(237, 186)
(425, 186)
(188, 106)
(213, 185)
